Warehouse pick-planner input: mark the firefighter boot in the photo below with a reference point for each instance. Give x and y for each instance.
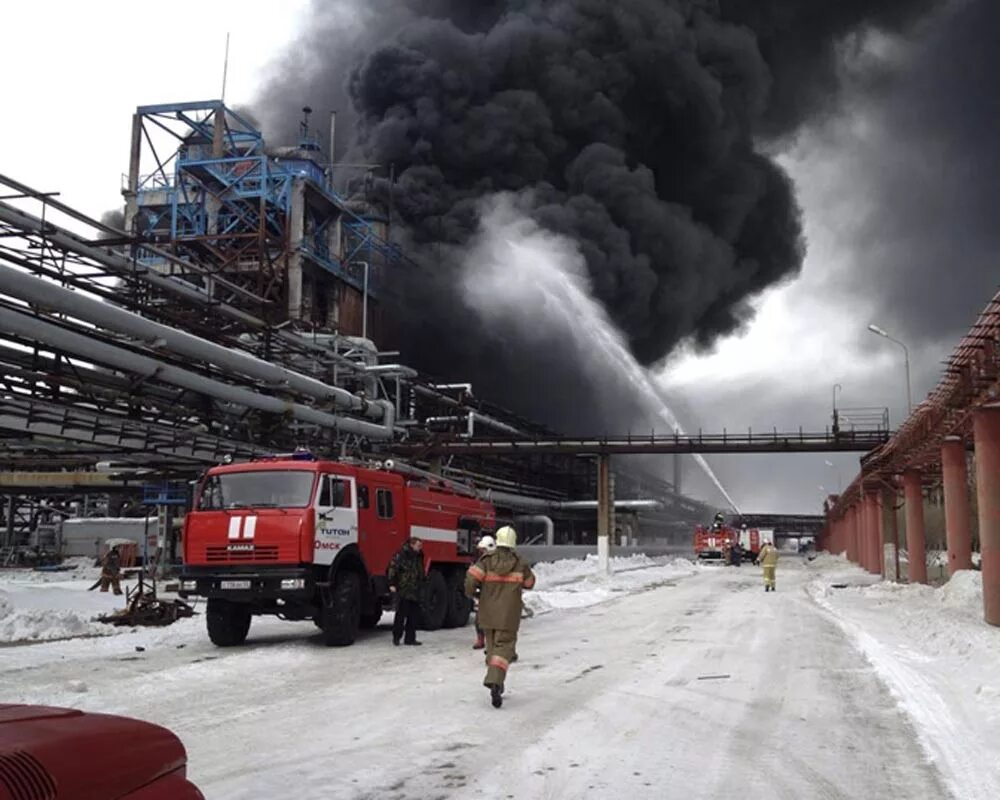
(480, 642)
(496, 695)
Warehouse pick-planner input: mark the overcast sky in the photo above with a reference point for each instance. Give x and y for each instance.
(889, 187)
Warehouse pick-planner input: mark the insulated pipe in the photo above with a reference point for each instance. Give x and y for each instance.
(477, 416)
(80, 306)
(92, 349)
(390, 370)
(516, 500)
(550, 527)
(496, 424)
(121, 265)
(624, 505)
(406, 469)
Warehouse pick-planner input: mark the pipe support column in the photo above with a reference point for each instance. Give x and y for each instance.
(957, 511)
(916, 539)
(986, 424)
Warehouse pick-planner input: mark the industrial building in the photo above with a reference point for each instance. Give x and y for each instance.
(244, 307)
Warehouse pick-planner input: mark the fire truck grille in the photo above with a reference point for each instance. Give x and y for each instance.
(228, 553)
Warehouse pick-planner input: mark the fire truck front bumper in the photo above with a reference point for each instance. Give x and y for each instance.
(247, 584)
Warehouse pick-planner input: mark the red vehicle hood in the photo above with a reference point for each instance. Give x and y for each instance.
(246, 536)
(59, 752)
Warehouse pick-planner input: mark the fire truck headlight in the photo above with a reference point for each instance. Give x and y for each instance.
(189, 586)
(293, 583)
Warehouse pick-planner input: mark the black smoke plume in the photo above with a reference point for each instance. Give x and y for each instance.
(632, 127)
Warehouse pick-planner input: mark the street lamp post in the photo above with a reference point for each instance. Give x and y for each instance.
(906, 355)
(836, 422)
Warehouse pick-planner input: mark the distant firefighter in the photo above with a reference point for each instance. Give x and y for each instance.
(768, 559)
(499, 578)
(111, 571)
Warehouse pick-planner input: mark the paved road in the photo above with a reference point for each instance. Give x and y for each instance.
(704, 688)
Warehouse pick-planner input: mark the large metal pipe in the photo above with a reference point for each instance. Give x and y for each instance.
(70, 241)
(517, 500)
(390, 371)
(550, 528)
(80, 306)
(415, 472)
(624, 505)
(91, 349)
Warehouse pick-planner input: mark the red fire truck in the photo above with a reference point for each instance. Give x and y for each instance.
(711, 543)
(301, 538)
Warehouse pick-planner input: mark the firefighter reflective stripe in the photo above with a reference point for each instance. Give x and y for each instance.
(476, 572)
(516, 577)
(497, 661)
(234, 527)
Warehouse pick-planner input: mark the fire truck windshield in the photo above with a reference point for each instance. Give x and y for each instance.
(259, 489)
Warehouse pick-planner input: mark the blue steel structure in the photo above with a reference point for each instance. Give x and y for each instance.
(267, 221)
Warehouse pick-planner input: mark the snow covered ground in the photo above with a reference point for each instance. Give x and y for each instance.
(938, 658)
(666, 680)
(41, 606)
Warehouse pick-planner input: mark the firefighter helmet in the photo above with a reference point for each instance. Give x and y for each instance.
(507, 537)
(487, 543)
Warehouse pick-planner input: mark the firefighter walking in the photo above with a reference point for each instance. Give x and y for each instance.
(499, 577)
(768, 559)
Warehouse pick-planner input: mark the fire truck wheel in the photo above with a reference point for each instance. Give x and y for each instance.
(459, 606)
(435, 605)
(228, 623)
(340, 619)
(370, 620)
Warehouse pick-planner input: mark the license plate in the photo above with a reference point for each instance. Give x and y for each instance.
(234, 584)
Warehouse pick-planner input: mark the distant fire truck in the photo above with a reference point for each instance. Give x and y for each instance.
(301, 538)
(712, 543)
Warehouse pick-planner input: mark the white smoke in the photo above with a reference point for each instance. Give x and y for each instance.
(532, 284)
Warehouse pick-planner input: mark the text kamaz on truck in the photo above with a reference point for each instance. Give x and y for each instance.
(301, 538)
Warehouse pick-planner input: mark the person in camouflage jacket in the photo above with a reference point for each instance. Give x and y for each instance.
(499, 577)
(406, 577)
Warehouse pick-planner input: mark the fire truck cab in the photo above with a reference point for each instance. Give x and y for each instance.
(302, 538)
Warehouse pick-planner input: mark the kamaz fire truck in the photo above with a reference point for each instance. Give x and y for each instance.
(712, 543)
(301, 538)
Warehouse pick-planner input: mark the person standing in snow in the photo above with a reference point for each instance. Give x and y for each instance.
(111, 571)
(768, 559)
(486, 546)
(406, 577)
(499, 577)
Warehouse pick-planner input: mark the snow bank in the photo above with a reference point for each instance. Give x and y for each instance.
(39, 624)
(41, 606)
(963, 591)
(579, 584)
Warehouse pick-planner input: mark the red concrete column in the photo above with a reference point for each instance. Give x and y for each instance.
(861, 527)
(986, 424)
(849, 533)
(864, 541)
(854, 551)
(874, 528)
(915, 538)
(956, 505)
